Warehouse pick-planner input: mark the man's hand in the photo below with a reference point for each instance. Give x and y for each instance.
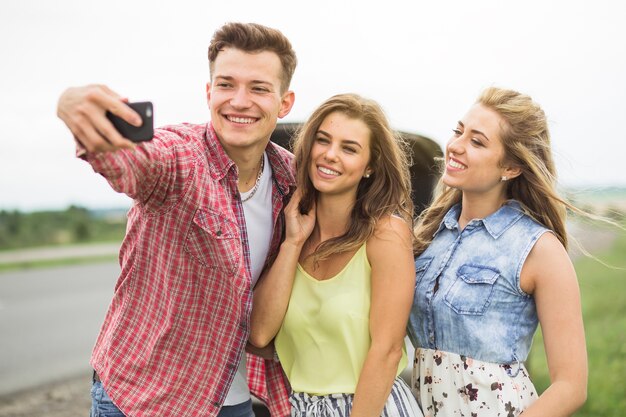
(83, 110)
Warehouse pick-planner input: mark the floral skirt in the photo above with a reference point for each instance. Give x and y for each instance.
(447, 384)
(400, 403)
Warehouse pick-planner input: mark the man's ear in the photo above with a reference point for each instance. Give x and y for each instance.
(208, 93)
(286, 103)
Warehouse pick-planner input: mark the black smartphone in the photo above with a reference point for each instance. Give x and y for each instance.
(136, 134)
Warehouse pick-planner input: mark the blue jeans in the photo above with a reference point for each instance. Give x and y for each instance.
(102, 406)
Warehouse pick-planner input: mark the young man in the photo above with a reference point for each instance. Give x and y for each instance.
(206, 214)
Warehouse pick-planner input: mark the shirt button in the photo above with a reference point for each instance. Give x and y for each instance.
(231, 366)
(242, 324)
(219, 233)
(216, 404)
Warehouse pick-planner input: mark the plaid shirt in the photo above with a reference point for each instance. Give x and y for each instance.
(178, 323)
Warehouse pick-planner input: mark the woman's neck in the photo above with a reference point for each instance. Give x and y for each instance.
(332, 216)
(479, 206)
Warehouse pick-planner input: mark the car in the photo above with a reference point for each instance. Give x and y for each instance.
(424, 173)
(424, 153)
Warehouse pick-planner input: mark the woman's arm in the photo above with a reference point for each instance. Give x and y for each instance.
(393, 279)
(272, 292)
(549, 275)
(266, 352)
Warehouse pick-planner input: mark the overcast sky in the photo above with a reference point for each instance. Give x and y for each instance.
(424, 62)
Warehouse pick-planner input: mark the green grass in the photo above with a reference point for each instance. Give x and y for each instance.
(603, 292)
(5, 267)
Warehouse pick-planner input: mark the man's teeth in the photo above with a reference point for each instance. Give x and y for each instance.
(245, 120)
(328, 171)
(456, 165)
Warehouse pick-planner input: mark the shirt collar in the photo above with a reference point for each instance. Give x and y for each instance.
(282, 164)
(495, 224)
(221, 163)
(280, 159)
(450, 220)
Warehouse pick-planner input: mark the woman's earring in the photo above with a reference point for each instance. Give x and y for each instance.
(503, 178)
(366, 176)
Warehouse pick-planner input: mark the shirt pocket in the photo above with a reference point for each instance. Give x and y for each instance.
(472, 289)
(421, 265)
(214, 241)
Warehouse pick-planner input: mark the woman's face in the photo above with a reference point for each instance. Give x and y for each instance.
(340, 154)
(474, 154)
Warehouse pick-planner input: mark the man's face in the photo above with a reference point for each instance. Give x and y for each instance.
(245, 98)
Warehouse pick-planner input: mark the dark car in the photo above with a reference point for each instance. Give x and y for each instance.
(424, 174)
(423, 168)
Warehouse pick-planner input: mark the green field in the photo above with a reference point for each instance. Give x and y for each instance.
(603, 292)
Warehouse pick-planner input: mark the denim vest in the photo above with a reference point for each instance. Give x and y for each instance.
(479, 309)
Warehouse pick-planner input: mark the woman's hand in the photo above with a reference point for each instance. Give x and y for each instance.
(298, 226)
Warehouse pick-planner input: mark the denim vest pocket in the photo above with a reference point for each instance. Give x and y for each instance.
(472, 290)
(213, 240)
(421, 265)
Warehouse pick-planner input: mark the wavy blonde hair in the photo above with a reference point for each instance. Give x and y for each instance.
(526, 141)
(388, 189)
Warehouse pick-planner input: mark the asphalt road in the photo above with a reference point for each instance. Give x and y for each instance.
(49, 320)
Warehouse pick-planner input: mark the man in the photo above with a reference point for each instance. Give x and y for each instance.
(206, 214)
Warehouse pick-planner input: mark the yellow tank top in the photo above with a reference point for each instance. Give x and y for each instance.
(324, 339)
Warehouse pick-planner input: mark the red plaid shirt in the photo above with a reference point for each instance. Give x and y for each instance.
(179, 319)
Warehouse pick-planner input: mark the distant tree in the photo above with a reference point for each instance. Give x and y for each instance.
(40, 228)
(82, 231)
(14, 223)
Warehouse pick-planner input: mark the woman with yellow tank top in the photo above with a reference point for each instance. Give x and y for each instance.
(337, 298)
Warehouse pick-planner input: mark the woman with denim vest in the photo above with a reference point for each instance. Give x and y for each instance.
(338, 296)
(492, 265)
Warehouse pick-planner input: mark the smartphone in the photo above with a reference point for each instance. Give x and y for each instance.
(136, 134)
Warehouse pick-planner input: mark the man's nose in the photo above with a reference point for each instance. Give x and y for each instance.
(240, 98)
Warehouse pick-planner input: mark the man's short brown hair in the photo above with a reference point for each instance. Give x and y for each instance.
(253, 37)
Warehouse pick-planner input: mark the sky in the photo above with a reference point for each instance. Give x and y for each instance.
(424, 62)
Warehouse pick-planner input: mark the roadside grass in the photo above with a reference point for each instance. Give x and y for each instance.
(22, 265)
(603, 291)
(64, 244)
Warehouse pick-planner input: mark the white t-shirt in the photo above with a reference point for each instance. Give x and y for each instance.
(258, 214)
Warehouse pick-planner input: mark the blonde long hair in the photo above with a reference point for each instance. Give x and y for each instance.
(386, 192)
(526, 141)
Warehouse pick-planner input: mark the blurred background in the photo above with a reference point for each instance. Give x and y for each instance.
(424, 62)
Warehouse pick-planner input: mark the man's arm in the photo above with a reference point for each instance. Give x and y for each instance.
(83, 110)
(145, 171)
